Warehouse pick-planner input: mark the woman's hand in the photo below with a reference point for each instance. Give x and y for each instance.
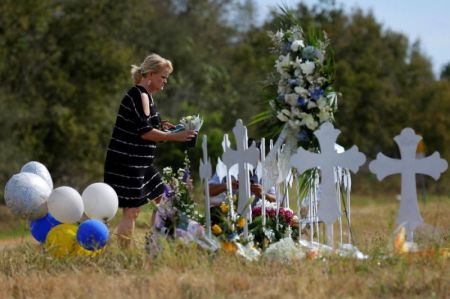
(183, 135)
(166, 125)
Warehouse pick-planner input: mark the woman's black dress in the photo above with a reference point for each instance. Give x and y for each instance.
(128, 165)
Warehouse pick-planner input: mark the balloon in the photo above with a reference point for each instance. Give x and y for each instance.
(92, 234)
(100, 201)
(26, 195)
(62, 240)
(40, 170)
(39, 228)
(81, 251)
(65, 204)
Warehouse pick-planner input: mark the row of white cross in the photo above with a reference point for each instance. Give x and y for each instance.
(327, 161)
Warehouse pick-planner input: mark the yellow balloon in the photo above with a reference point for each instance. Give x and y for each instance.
(62, 240)
(81, 251)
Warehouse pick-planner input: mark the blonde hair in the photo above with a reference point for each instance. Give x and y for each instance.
(152, 63)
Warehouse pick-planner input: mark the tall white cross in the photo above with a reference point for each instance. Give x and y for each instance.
(327, 160)
(205, 175)
(242, 156)
(408, 166)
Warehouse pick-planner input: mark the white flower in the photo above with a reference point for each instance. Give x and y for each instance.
(296, 44)
(294, 124)
(308, 67)
(291, 99)
(295, 111)
(311, 105)
(322, 103)
(282, 117)
(324, 115)
(301, 91)
(283, 63)
(310, 122)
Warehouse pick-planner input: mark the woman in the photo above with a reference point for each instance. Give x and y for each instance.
(130, 154)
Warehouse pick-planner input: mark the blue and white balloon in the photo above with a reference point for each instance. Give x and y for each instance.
(26, 195)
(40, 170)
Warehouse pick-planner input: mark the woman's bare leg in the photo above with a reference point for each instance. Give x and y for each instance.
(125, 228)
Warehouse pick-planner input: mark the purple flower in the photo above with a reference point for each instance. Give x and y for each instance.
(186, 175)
(168, 192)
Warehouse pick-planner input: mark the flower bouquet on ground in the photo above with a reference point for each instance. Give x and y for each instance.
(278, 225)
(192, 122)
(228, 229)
(177, 215)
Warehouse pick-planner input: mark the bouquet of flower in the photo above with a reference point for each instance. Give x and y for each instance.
(177, 206)
(278, 225)
(305, 97)
(192, 122)
(226, 228)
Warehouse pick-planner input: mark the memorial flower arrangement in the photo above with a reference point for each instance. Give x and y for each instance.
(225, 227)
(177, 207)
(305, 95)
(278, 225)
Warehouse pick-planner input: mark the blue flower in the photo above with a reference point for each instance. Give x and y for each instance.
(293, 82)
(232, 236)
(301, 102)
(287, 47)
(309, 52)
(303, 136)
(316, 93)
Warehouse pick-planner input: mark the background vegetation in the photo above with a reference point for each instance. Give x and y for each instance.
(64, 66)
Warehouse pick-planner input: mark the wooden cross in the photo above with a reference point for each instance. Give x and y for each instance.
(326, 161)
(241, 156)
(205, 175)
(408, 166)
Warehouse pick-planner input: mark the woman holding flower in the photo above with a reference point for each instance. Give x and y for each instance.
(131, 150)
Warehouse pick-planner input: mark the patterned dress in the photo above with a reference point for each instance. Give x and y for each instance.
(128, 164)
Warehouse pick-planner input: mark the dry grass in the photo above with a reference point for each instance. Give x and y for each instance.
(186, 272)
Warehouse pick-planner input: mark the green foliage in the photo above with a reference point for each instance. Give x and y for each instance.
(64, 66)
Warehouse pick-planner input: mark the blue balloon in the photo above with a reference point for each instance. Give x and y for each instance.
(92, 234)
(40, 227)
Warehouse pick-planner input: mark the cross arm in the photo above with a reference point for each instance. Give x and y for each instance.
(432, 165)
(384, 166)
(304, 160)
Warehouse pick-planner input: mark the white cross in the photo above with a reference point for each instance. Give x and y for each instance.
(242, 156)
(327, 160)
(408, 166)
(205, 175)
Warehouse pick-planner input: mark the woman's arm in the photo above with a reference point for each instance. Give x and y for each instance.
(158, 135)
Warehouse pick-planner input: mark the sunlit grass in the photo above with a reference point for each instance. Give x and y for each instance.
(187, 272)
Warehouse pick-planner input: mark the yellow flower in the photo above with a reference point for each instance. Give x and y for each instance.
(224, 207)
(241, 222)
(216, 229)
(229, 246)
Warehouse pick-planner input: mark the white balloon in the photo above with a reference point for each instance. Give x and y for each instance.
(65, 204)
(100, 201)
(26, 195)
(40, 170)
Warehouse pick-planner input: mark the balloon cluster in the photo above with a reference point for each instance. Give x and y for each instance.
(64, 221)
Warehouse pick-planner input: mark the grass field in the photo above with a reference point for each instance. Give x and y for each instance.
(187, 272)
